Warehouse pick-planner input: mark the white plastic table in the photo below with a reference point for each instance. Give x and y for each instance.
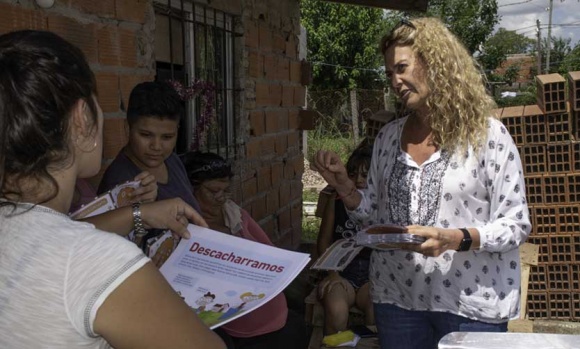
(511, 340)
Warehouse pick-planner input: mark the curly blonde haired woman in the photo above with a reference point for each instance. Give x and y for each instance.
(450, 172)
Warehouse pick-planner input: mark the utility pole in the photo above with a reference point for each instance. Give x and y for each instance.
(539, 48)
(549, 38)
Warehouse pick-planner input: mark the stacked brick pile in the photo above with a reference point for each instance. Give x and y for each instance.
(548, 138)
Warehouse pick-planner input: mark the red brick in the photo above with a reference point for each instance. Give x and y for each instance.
(108, 43)
(284, 193)
(296, 187)
(253, 148)
(288, 172)
(270, 67)
(273, 200)
(283, 69)
(278, 43)
(269, 226)
(108, 91)
(82, 35)
(277, 173)
(296, 236)
(257, 123)
(272, 121)
(249, 188)
(15, 17)
(264, 179)
(295, 71)
(128, 47)
(229, 6)
(259, 208)
(268, 145)
(265, 37)
(132, 11)
(293, 139)
(287, 96)
(281, 145)
(276, 95)
(114, 137)
(284, 220)
(298, 162)
(101, 8)
(296, 214)
(262, 94)
(255, 65)
(283, 119)
(252, 37)
(299, 95)
(291, 47)
(293, 119)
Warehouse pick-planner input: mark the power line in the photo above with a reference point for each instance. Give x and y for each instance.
(515, 3)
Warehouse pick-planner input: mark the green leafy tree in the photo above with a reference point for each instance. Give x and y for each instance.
(471, 20)
(571, 62)
(559, 50)
(502, 43)
(343, 44)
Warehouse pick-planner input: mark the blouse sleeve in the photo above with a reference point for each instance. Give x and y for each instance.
(87, 286)
(252, 230)
(509, 223)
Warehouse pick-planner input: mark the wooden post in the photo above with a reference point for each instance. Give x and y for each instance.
(528, 257)
(354, 115)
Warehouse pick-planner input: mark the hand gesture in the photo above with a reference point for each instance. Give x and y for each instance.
(173, 214)
(330, 167)
(147, 191)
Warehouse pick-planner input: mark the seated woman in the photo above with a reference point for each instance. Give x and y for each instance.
(272, 325)
(68, 284)
(339, 291)
(153, 115)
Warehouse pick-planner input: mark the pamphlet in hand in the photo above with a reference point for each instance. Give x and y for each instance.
(114, 198)
(387, 237)
(223, 277)
(338, 255)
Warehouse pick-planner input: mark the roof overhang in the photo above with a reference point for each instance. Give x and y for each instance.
(401, 5)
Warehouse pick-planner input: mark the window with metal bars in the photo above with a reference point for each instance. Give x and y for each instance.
(195, 46)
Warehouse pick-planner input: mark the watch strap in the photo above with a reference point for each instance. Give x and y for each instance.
(138, 227)
(466, 242)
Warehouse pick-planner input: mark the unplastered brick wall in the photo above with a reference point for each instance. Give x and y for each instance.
(115, 36)
(272, 163)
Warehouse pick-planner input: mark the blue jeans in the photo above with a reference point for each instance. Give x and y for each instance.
(399, 328)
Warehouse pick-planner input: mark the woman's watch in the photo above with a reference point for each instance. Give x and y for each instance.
(465, 243)
(139, 229)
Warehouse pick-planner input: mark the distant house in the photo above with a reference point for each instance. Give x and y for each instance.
(527, 64)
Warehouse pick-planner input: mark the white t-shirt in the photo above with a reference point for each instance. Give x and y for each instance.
(55, 273)
(483, 190)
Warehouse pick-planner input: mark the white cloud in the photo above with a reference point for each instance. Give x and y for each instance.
(521, 16)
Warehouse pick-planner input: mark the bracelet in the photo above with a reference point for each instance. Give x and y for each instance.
(352, 191)
(137, 221)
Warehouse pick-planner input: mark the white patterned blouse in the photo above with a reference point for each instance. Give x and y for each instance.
(483, 190)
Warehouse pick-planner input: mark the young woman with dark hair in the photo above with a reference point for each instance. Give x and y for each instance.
(67, 284)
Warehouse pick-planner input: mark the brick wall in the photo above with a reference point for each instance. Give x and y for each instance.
(117, 38)
(272, 164)
(527, 64)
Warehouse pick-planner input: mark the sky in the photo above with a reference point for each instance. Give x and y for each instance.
(521, 16)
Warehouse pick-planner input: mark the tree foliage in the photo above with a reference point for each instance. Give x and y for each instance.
(343, 44)
(570, 62)
(558, 51)
(471, 20)
(501, 44)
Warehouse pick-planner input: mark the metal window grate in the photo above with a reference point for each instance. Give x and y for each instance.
(197, 43)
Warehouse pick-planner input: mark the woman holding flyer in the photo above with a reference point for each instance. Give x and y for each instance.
(66, 284)
(449, 172)
(272, 325)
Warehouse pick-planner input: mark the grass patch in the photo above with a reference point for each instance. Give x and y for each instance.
(310, 227)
